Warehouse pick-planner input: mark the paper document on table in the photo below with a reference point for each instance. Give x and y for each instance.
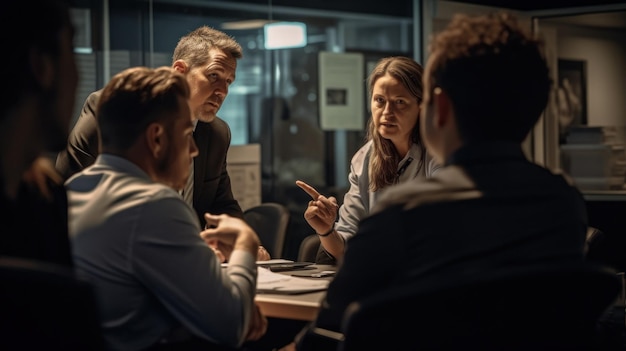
(273, 261)
(276, 283)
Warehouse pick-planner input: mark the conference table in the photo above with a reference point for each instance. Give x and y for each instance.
(301, 306)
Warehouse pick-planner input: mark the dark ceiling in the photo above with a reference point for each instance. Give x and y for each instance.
(535, 5)
(404, 7)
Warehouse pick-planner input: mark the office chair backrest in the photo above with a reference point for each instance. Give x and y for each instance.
(45, 307)
(270, 220)
(606, 248)
(536, 310)
(309, 248)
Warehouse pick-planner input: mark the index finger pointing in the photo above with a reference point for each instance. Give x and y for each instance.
(308, 189)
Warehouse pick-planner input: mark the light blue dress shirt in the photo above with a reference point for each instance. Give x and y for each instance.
(138, 242)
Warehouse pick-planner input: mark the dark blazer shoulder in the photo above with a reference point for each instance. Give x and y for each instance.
(91, 103)
(220, 127)
(83, 140)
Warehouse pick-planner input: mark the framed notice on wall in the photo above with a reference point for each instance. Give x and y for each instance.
(341, 91)
(243, 163)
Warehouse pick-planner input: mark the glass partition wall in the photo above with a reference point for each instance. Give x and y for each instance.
(584, 134)
(584, 128)
(581, 132)
(275, 100)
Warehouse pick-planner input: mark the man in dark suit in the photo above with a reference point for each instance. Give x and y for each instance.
(209, 72)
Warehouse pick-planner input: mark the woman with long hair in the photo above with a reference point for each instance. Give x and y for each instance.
(393, 153)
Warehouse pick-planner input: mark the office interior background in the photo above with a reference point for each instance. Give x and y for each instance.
(275, 101)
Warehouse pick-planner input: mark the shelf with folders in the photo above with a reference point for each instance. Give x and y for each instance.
(595, 157)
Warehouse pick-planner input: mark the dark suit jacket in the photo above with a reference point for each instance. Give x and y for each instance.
(212, 190)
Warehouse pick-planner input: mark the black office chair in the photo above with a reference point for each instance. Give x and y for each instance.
(270, 220)
(309, 248)
(45, 307)
(551, 309)
(607, 250)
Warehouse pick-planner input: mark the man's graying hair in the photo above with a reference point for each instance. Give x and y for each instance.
(194, 47)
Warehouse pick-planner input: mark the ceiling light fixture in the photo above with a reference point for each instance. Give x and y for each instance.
(283, 35)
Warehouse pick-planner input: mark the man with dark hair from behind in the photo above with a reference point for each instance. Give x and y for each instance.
(489, 211)
(35, 114)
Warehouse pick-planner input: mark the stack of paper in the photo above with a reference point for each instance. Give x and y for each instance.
(276, 283)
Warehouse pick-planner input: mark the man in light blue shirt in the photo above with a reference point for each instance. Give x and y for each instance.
(133, 236)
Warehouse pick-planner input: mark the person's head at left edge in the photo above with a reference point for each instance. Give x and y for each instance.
(208, 58)
(39, 70)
